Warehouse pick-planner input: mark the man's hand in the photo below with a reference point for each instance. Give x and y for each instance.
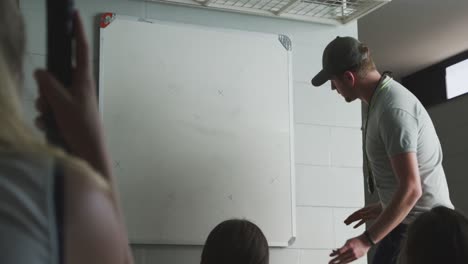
(352, 250)
(365, 214)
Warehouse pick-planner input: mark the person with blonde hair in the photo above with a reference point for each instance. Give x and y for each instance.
(55, 207)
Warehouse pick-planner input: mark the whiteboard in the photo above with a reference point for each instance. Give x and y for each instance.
(199, 123)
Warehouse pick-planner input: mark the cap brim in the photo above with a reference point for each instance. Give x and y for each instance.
(321, 78)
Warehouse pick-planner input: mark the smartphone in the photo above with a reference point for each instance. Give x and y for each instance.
(60, 27)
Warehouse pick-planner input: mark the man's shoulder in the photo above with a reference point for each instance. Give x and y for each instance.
(399, 98)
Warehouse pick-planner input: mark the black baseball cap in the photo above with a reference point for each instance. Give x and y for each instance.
(340, 55)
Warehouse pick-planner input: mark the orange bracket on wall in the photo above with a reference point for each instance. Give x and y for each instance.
(106, 19)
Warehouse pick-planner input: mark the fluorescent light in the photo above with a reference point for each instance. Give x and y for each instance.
(456, 79)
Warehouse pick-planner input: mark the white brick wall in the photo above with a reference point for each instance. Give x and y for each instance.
(345, 147)
(315, 228)
(321, 106)
(332, 187)
(313, 144)
(328, 141)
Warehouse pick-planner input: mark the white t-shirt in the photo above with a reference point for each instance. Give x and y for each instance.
(398, 123)
(28, 231)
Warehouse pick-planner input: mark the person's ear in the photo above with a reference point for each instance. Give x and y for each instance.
(349, 77)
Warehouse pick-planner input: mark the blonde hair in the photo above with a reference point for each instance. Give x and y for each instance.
(16, 135)
(367, 65)
(12, 37)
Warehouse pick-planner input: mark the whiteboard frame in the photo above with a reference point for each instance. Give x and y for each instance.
(291, 115)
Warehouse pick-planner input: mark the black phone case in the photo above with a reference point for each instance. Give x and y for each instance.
(59, 54)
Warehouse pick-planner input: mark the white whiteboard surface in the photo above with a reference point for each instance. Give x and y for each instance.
(199, 123)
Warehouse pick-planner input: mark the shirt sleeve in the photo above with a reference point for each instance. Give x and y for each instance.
(399, 131)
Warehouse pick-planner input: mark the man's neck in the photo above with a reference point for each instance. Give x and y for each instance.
(368, 86)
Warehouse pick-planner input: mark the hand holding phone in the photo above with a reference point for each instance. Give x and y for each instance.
(60, 17)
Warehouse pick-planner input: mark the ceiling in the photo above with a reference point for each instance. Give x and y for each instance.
(333, 12)
(408, 35)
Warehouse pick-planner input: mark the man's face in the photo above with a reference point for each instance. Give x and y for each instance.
(345, 87)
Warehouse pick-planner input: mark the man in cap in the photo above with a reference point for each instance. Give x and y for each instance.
(402, 153)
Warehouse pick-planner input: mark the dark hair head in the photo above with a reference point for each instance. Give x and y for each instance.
(341, 55)
(438, 236)
(235, 242)
(363, 67)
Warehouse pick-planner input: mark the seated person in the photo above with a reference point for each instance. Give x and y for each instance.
(235, 242)
(437, 237)
(55, 207)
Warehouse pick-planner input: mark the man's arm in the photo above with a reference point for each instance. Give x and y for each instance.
(405, 167)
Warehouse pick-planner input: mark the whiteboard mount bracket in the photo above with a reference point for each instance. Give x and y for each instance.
(286, 41)
(106, 19)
